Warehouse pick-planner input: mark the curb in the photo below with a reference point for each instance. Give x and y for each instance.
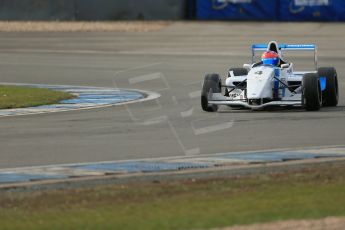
(167, 166)
(88, 98)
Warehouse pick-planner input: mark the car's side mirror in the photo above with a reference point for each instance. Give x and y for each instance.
(247, 66)
(285, 66)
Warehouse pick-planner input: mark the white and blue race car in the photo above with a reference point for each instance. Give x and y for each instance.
(257, 86)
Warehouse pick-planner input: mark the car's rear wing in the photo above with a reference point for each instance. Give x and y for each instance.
(287, 47)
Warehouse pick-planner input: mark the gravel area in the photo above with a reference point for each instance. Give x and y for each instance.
(118, 26)
(329, 223)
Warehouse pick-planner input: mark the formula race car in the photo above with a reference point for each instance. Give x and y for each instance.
(272, 82)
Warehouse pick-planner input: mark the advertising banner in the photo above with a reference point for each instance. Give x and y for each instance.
(312, 10)
(237, 9)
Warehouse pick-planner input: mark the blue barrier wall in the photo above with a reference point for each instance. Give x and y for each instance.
(237, 9)
(312, 10)
(284, 10)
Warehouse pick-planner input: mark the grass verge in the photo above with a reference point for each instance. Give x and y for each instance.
(19, 97)
(189, 204)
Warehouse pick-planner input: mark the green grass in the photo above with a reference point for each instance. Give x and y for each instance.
(20, 97)
(189, 204)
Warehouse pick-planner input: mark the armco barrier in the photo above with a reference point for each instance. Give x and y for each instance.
(237, 9)
(312, 10)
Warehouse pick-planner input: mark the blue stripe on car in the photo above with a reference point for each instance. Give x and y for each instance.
(323, 83)
(276, 82)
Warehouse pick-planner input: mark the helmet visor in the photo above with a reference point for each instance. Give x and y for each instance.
(270, 61)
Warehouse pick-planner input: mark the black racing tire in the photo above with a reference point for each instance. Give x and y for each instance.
(211, 82)
(311, 92)
(330, 95)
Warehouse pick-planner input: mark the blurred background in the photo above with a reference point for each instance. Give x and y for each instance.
(265, 10)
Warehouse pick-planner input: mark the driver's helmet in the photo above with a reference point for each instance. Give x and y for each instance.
(270, 58)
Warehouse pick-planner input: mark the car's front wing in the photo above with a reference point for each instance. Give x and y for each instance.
(220, 99)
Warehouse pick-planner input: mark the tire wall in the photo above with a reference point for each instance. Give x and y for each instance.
(92, 9)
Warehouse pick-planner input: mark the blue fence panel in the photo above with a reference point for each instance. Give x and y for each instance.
(237, 9)
(312, 10)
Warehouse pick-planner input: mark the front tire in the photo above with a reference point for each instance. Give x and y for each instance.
(330, 95)
(311, 92)
(212, 82)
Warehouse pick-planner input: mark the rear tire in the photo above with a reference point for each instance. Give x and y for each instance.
(311, 92)
(211, 82)
(330, 95)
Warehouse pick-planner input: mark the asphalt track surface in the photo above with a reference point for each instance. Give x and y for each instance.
(172, 62)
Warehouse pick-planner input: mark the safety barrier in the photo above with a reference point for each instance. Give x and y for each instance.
(93, 9)
(268, 10)
(37, 10)
(130, 9)
(237, 9)
(284, 10)
(312, 10)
